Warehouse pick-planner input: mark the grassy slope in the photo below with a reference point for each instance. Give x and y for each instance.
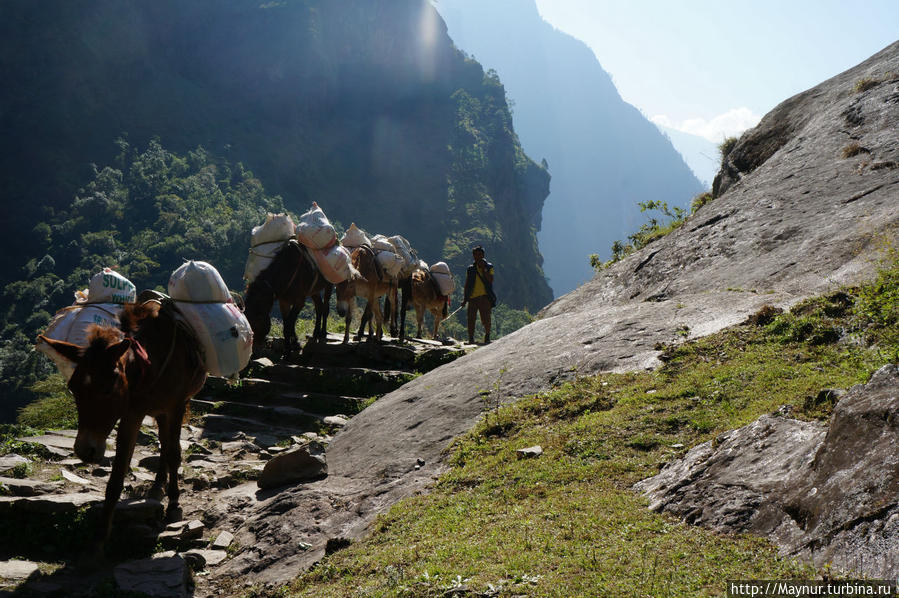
(567, 522)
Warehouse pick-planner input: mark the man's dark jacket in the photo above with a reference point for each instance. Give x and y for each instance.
(471, 275)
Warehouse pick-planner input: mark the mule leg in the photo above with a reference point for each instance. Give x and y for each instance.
(348, 319)
(378, 317)
(156, 490)
(326, 310)
(171, 455)
(406, 286)
(420, 318)
(124, 448)
(436, 323)
(290, 314)
(319, 321)
(366, 319)
(390, 305)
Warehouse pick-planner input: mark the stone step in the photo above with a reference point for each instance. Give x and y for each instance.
(321, 403)
(264, 392)
(347, 381)
(231, 427)
(283, 415)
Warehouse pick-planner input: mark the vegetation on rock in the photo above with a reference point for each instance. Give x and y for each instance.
(143, 216)
(567, 521)
(365, 107)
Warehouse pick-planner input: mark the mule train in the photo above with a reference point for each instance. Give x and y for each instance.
(293, 262)
(151, 353)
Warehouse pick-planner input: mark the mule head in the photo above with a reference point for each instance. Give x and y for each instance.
(345, 292)
(100, 387)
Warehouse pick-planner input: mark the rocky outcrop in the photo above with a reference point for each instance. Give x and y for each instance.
(804, 221)
(830, 495)
(299, 465)
(857, 101)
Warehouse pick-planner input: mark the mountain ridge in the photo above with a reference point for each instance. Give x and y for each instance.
(603, 154)
(367, 109)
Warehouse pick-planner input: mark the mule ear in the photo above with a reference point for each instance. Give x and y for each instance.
(116, 351)
(67, 350)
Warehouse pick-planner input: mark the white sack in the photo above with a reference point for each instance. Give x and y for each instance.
(198, 281)
(382, 243)
(108, 286)
(224, 334)
(70, 324)
(314, 229)
(260, 258)
(354, 237)
(441, 273)
(390, 262)
(277, 227)
(334, 263)
(402, 248)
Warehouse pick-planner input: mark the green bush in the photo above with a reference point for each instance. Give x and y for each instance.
(53, 409)
(725, 147)
(143, 216)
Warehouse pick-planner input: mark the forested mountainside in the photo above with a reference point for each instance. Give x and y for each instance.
(604, 155)
(140, 134)
(365, 107)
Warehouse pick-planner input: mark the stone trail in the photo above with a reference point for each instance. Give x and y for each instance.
(242, 444)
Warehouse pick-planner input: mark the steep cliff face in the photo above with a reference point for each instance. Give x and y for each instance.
(364, 107)
(603, 154)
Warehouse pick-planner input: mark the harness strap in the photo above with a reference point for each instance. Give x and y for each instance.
(316, 273)
(283, 241)
(379, 270)
(167, 305)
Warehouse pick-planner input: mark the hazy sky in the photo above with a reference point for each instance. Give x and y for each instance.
(714, 67)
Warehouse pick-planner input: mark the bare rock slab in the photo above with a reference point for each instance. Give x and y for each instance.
(223, 540)
(17, 571)
(11, 461)
(138, 511)
(74, 478)
(24, 487)
(211, 558)
(167, 576)
(299, 465)
(828, 494)
(49, 503)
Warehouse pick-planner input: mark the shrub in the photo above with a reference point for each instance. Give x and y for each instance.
(700, 200)
(54, 408)
(725, 147)
(854, 149)
(864, 84)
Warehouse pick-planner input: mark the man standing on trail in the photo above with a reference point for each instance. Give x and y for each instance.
(479, 293)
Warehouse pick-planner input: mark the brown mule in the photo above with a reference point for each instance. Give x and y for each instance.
(372, 283)
(154, 370)
(290, 278)
(426, 296)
